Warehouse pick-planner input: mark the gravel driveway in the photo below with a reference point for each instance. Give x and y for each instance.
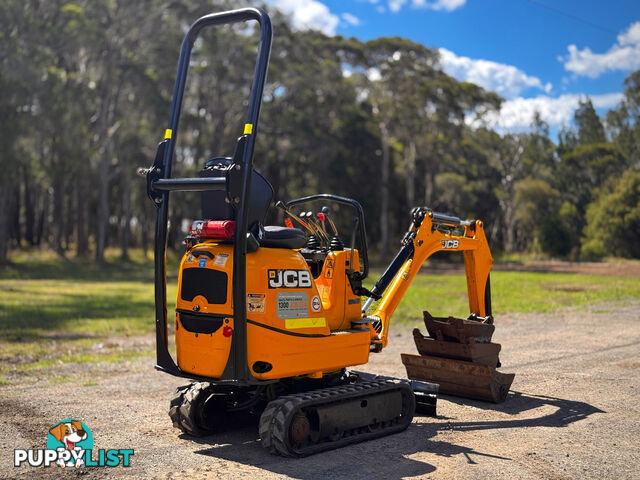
(573, 413)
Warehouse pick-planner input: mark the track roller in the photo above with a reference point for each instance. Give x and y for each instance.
(305, 423)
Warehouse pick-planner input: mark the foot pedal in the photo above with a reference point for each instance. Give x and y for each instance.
(375, 322)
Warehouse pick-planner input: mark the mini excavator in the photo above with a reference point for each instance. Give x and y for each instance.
(269, 318)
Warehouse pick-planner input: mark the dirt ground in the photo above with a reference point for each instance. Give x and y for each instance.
(573, 412)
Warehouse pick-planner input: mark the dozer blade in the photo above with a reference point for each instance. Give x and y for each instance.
(426, 393)
(452, 329)
(479, 353)
(460, 378)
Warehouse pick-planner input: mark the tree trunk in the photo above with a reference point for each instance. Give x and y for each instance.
(40, 222)
(126, 212)
(82, 230)
(29, 212)
(16, 231)
(103, 202)
(384, 193)
(58, 215)
(428, 188)
(58, 200)
(409, 175)
(70, 214)
(4, 220)
(510, 236)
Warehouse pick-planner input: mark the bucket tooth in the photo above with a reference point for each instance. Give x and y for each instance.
(460, 378)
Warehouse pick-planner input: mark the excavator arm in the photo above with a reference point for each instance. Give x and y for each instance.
(431, 232)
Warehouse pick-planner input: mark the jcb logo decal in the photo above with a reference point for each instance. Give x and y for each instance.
(289, 279)
(450, 243)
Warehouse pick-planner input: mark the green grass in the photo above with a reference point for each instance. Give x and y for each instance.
(46, 298)
(512, 292)
(54, 312)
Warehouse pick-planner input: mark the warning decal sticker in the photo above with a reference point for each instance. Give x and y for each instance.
(255, 302)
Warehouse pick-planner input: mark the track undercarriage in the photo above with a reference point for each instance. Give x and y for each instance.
(297, 418)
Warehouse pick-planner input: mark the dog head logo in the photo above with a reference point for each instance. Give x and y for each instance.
(72, 435)
(69, 433)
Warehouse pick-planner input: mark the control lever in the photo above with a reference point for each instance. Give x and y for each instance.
(280, 205)
(316, 225)
(322, 217)
(325, 213)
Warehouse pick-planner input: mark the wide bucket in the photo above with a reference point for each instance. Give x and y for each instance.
(459, 378)
(451, 329)
(479, 353)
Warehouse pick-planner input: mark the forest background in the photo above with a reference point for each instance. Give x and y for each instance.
(86, 87)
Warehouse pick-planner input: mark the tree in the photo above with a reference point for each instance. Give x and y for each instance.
(590, 129)
(613, 219)
(585, 168)
(538, 222)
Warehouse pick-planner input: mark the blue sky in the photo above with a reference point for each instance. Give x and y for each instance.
(538, 54)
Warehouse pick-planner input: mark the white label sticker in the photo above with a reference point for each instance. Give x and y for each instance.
(292, 305)
(316, 304)
(221, 260)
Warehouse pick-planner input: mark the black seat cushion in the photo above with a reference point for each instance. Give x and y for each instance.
(282, 237)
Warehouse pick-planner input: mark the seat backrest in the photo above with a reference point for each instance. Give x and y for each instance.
(214, 204)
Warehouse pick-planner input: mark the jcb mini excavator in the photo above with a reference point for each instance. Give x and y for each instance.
(268, 318)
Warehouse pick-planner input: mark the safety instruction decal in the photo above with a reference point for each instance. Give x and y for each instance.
(328, 268)
(255, 302)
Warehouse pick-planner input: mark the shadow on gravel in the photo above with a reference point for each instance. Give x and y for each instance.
(386, 457)
(567, 412)
(389, 457)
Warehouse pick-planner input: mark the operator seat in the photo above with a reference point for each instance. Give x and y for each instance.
(215, 207)
(275, 236)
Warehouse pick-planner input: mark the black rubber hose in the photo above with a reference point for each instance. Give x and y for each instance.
(396, 264)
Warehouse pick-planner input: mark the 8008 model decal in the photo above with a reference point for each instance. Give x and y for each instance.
(289, 278)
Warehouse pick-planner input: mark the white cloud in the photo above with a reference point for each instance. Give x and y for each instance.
(517, 114)
(308, 14)
(351, 19)
(623, 55)
(446, 5)
(506, 80)
(396, 5)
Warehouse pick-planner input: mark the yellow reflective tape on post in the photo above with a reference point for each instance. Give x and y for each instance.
(167, 133)
(305, 323)
(248, 128)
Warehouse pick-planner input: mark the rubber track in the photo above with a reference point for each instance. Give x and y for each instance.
(275, 420)
(183, 405)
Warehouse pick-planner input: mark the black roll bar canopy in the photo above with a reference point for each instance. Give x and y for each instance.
(160, 184)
